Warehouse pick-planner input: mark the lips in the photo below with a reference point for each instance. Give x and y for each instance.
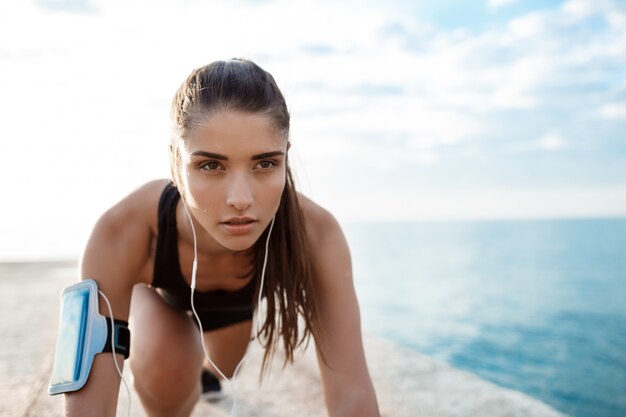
(239, 221)
(239, 226)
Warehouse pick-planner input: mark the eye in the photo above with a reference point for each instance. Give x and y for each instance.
(266, 164)
(211, 166)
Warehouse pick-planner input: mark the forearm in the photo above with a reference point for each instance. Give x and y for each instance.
(98, 398)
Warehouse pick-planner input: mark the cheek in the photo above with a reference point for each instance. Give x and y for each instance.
(274, 190)
(202, 195)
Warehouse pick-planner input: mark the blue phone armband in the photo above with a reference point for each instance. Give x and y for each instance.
(83, 333)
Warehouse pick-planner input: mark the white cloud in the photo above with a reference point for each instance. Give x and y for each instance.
(579, 9)
(616, 18)
(530, 25)
(397, 204)
(496, 4)
(614, 111)
(372, 91)
(551, 142)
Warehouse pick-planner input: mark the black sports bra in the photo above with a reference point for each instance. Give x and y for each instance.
(168, 277)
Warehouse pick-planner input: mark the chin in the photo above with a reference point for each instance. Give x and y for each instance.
(239, 241)
(238, 244)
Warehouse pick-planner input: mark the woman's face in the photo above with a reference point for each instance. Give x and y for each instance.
(233, 173)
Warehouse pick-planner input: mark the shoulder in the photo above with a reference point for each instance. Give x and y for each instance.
(330, 254)
(137, 209)
(119, 244)
(131, 222)
(321, 226)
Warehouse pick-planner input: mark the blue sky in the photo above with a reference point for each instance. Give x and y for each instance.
(400, 109)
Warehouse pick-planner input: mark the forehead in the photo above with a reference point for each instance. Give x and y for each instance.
(232, 132)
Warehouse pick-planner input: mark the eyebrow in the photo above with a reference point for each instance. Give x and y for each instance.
(221, 157)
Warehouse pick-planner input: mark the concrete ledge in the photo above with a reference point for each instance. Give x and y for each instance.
(407, 383)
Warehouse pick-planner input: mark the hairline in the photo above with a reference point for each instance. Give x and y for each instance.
(207, 114)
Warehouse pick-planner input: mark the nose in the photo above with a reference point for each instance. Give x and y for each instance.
(239, 194)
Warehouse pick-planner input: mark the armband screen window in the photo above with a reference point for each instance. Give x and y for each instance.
(82, 335)
(71, 338)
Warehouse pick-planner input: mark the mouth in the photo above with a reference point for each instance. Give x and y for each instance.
(238, 222)
(239, 226)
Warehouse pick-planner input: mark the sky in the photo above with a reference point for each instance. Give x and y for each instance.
(401, 110)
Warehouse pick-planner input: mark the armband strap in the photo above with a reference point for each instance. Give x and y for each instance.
(120, 335)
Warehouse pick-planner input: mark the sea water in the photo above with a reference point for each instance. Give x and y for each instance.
(538, 306)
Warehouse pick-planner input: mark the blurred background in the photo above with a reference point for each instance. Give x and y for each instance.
(474, 150)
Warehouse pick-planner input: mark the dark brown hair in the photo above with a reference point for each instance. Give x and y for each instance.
(241, 85)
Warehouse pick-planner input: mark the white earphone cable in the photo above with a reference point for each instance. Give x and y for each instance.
(255, 323)
(231, 381)
(117, 367)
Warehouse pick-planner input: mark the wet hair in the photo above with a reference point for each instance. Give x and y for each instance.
(241, 85)
(238, 85)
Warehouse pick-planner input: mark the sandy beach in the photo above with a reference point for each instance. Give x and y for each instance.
(408, 384)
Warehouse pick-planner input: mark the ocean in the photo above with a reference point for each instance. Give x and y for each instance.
(538, 306)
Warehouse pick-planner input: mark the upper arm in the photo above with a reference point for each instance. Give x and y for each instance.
(339, 327)
(118, 249)
(345, 377)
(114, 257)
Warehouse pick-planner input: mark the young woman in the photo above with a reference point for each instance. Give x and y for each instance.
(231, 193)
